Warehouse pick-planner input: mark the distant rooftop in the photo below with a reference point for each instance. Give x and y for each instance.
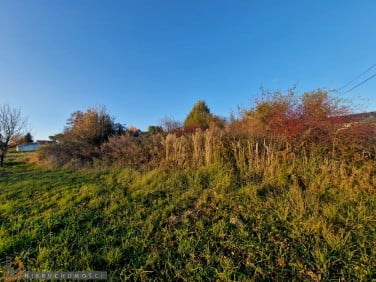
(370, 116)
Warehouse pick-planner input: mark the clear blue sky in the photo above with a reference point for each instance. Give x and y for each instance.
(145, 60)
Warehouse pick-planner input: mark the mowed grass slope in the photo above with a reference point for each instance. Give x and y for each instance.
(192, 225)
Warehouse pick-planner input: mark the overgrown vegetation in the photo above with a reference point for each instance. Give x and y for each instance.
(298, 218)
(284, 192)
(281, 123)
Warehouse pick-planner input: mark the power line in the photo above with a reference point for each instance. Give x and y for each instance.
(356, 78)
(361, 83)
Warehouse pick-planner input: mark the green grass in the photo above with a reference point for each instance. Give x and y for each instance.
(192, 225)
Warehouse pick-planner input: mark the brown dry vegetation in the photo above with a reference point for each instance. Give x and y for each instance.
(284, 192)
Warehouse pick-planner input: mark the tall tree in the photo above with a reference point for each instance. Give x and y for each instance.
(200, 116)
(92, 127)
(28, 138)
(12, 124)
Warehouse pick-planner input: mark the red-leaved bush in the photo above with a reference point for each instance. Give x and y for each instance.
(311, 118)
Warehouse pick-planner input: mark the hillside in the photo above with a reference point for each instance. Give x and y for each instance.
(189, 225)
(367, 117)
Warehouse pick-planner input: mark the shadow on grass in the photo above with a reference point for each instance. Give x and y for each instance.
(12, 163)
(267, 190)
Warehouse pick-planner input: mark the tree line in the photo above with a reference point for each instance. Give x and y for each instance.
(290, 121)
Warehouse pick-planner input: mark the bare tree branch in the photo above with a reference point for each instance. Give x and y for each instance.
(12, 124)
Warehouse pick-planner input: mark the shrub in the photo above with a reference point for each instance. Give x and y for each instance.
(131, 150)
(68, 154)
(311, 118)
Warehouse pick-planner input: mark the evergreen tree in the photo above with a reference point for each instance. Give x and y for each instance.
(200, 116)
(28, 138)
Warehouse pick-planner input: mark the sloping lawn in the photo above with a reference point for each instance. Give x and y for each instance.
(196, 225)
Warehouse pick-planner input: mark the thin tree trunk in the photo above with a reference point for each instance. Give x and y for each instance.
(4, 149)
(2, 158)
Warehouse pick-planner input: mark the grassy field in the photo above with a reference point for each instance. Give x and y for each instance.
(192, 225)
